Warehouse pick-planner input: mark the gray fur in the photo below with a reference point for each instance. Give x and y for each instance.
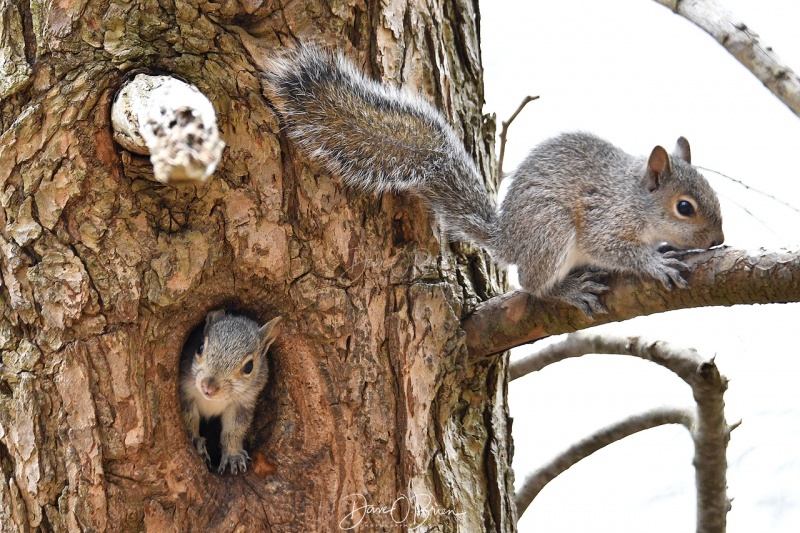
(578, 207)
(578, 201)
(230, 341)
(379, 138)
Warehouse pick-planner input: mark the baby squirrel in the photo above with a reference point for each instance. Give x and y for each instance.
(223, 379)
(578, 207)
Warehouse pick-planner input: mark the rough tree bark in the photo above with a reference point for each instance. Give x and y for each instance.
(105, 273)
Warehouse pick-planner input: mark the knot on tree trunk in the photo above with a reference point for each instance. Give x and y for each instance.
(171, 121)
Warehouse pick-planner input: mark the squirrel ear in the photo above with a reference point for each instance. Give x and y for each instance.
(658, 168)
(213, 316)
(682, 150)
(268, 333)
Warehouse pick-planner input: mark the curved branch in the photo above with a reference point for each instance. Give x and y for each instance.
(682, 361)
(744, 44)
(720, 277)
(710, 432)
(173, 122)
(536, 481)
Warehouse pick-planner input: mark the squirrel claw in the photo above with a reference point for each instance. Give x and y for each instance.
(669, 273)
(237, 461)
(591, 305)
(593, 287)
(676, 264)
(200, 446)
(581, 289)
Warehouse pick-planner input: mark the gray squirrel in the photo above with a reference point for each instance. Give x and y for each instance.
(224, 378)
(578, 207)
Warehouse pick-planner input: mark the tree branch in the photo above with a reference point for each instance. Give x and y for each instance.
(681, 361)
(537, 480)
(720, 277)
(744, 44)
(710, 432)
(171, 121)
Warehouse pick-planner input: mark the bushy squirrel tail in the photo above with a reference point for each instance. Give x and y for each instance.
(378, 138)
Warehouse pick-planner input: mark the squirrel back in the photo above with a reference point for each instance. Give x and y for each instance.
(379, 138)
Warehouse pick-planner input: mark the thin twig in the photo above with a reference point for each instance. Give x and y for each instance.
(536, 481)
(504, 132)
(750, 188)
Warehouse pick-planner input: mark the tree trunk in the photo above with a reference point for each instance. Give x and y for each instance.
(105, 273)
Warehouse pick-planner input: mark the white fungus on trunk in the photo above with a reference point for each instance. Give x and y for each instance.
(171, 121)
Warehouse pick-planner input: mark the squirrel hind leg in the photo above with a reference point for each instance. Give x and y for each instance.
(582, 289)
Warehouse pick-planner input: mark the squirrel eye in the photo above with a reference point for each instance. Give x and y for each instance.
(685, 208)
(247, 368)
(200, 349)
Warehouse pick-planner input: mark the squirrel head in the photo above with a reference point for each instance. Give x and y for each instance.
(232, 361)
(687, 208)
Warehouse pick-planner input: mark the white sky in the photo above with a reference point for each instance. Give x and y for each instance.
(638, 75)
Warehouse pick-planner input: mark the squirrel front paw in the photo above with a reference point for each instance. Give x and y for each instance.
(668, 270)
(200, 446)
(237, 461)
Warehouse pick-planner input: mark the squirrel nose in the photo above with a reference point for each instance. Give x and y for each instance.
(717, 239)
(209, 386)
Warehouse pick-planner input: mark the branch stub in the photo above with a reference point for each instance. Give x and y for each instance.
(171, 121)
